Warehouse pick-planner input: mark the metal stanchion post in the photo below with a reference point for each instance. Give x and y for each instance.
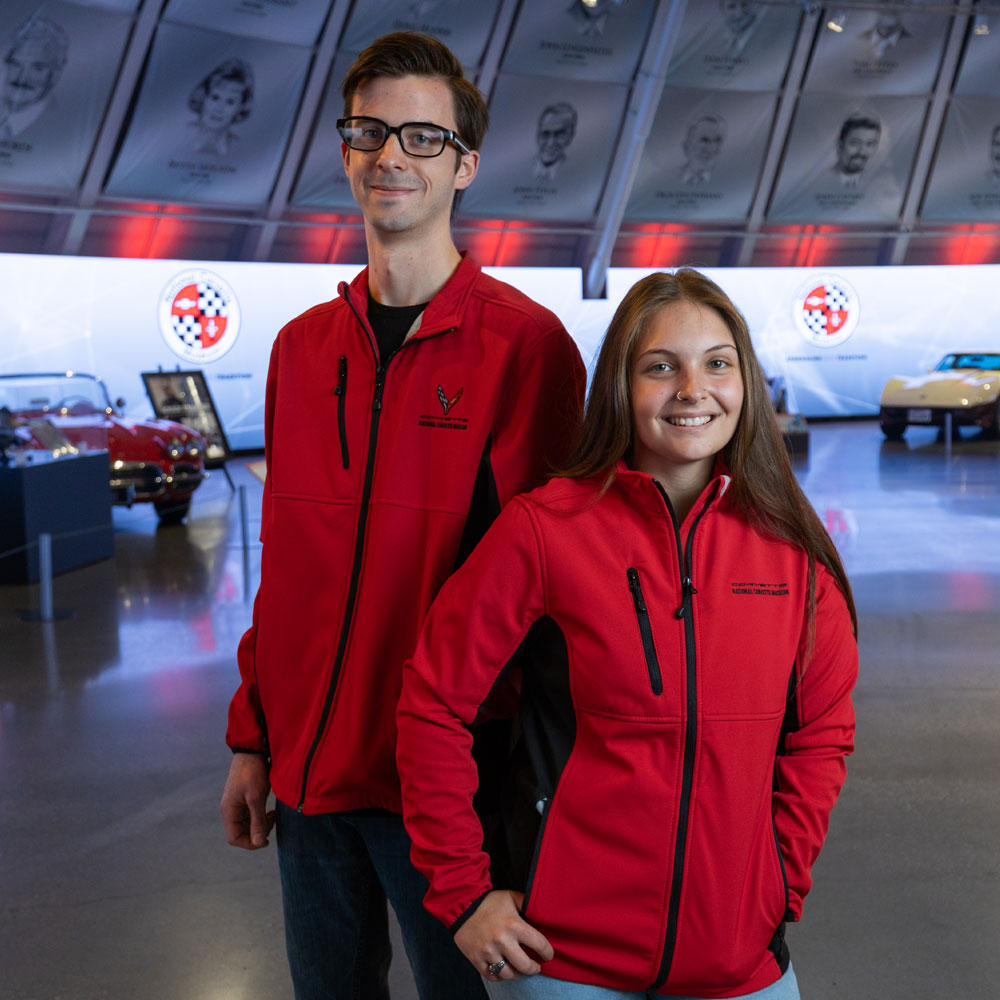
(245, 529)
(947, 437)
(45, 576)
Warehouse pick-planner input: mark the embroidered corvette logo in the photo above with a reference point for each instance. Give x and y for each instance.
(446, 403)
(445, 419)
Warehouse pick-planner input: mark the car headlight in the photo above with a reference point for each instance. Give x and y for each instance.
(176, 448)
(193, 448)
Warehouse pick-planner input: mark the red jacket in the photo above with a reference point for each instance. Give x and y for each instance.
(379, 482)
(667, 797)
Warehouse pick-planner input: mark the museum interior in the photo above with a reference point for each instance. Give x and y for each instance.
(172, 193)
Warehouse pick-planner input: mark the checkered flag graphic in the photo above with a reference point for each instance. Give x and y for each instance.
(210, 302)
(836, 298)
(816, 320)
(188, 329)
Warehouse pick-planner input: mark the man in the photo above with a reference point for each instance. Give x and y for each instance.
(556, 130)
(702, 146)
(856, 145)
(740, 19)
(399, 417)
(32, 66)
(885, 34)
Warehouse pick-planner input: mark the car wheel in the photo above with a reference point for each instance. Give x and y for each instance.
(893, 429)
(172, 510)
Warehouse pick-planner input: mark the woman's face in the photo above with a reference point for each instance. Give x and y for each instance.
(687, 393)
(222, 104)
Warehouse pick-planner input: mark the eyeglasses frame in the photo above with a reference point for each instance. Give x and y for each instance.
(450, 135)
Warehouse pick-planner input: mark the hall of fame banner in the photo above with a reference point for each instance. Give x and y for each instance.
(964, 184)
(569, 39)
(58, 63)
(295, 22)
(888, 52)
(212, 118)
(321, 182)
(464, 27)
(703, 156)
(847, 160)
(548, 149)
(980, 69)
(744, 46)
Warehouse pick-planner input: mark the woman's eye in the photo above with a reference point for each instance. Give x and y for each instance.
(718, 364)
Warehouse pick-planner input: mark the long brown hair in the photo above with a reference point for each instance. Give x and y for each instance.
(764, 487)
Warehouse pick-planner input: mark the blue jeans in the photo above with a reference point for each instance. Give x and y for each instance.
(337, 870)
(545, 988)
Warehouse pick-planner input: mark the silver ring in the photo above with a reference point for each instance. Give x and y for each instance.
(496, 967)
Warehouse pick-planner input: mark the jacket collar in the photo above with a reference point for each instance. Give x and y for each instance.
(642, 485)
(445, 310)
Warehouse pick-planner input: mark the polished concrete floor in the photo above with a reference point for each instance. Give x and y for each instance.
(115, 879)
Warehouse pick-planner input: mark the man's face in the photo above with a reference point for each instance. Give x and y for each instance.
(738, 16)
(30, 74)
(856, 149)
(398, 193)
(222, 104)
(555, 133)
(703, 143)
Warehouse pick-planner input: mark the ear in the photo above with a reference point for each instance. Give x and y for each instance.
(466, 170)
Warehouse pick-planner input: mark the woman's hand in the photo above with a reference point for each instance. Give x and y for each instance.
(497, 933)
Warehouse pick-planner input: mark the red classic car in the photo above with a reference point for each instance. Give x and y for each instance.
(151, 460)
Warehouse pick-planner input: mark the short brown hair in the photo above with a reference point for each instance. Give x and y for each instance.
(409, 53)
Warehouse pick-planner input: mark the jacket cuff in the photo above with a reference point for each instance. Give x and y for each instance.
(473, 906)
(260, 753)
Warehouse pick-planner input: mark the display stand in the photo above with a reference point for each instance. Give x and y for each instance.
(69, 499)
(795, 432)
(184, 398)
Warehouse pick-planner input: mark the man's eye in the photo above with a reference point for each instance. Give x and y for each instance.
(370, 132)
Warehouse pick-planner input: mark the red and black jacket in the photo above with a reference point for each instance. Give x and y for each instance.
(382, 474)
(677, 760)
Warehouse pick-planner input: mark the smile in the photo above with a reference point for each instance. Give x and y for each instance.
(688, 421)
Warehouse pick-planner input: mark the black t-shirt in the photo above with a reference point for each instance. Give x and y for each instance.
(390, 324)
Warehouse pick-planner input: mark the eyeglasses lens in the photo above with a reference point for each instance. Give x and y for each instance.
(370, 134)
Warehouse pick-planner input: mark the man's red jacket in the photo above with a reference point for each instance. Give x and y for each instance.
(382, 475)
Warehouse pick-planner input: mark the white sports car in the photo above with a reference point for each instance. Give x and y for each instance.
(966, 385)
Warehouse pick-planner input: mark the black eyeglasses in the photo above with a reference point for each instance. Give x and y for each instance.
(416, 138)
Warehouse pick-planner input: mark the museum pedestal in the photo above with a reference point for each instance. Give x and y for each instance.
(69, 499)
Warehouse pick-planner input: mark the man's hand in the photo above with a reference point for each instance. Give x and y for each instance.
(244, 802)
(496, 932)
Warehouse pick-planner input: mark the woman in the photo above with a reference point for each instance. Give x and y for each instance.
(222, 99)
(683, 634)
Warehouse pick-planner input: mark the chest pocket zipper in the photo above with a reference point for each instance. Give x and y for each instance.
(645, 631)
(341, 393)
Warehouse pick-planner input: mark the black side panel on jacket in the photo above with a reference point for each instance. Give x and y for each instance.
(484, 508)
(545, 730)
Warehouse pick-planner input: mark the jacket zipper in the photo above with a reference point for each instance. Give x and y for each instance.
(686, 613)
(341, 393)
(359, 543)
(542, 805)
(645, 631)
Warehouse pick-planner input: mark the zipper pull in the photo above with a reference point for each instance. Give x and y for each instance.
(687, 592)
(379, 385)
(541, 804)
(341, 375)
(633, 585)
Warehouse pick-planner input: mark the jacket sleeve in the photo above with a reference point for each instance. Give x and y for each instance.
(247, 728)
(819, 735)
(538, 414)
(473, 630)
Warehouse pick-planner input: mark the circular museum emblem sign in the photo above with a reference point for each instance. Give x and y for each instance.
(826, 310)
(199, 316)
